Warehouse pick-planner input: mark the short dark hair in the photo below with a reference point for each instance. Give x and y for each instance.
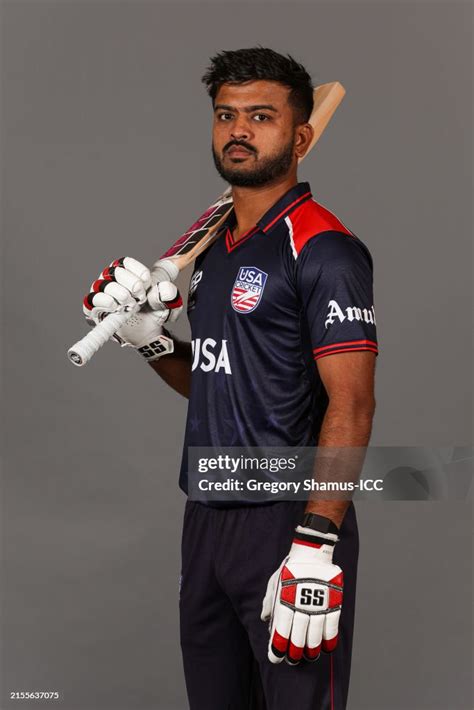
(260, 63)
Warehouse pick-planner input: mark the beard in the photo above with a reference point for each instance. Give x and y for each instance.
(262, 172)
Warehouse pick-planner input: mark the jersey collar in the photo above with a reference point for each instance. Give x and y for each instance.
(285, 206)
(281, 209)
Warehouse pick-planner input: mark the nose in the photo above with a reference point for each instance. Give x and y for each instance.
(241, 130)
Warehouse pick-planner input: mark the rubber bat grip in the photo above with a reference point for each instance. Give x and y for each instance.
(82, 351)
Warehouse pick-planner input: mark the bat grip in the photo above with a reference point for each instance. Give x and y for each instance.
(82, 351)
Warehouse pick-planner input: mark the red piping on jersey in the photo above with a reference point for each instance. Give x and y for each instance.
(347, 342)
(346, 350)
(229, 239)
(290, 207)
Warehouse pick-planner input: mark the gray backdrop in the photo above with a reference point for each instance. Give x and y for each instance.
(105, 152)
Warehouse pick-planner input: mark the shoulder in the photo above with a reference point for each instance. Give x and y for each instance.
(317, 233)
(310, 220)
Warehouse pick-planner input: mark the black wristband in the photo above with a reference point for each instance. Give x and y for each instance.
(319, 523)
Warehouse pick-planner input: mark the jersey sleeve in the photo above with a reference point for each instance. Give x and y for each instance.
(334, 282)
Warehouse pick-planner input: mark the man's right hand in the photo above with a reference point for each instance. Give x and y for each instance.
(126, 286)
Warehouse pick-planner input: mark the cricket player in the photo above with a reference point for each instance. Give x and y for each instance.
(283, 354)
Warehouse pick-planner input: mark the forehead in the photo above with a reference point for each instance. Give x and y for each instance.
(253, 93)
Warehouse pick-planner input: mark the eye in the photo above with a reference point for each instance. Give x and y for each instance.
(224, 116)
(261, 117)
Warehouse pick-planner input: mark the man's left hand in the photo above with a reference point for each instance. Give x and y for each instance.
(303, 599)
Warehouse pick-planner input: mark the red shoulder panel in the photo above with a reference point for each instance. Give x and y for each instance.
(311, 219)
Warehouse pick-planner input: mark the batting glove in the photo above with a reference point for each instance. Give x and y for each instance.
(126, 286)
(304, 597)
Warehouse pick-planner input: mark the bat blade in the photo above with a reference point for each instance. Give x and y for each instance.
(327, 98)
(207, 223)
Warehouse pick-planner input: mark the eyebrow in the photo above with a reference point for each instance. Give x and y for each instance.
(248, 109)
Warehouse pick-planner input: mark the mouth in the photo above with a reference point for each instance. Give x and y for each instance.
(238, 152)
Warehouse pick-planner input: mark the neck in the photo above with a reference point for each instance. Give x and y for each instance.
(251, 203)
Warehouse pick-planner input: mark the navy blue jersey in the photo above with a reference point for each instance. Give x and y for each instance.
(263, 310)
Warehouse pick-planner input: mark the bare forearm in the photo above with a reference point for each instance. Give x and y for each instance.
(175, 369)
(346, 431)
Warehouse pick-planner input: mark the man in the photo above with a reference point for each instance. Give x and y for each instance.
(283, 354)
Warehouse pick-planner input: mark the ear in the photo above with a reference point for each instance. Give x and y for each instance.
(303, 138)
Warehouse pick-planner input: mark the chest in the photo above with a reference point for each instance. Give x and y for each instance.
(250, 283)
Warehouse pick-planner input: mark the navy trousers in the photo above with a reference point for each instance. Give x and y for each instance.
(228, 556)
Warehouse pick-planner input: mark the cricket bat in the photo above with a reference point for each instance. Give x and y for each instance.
(201, 234)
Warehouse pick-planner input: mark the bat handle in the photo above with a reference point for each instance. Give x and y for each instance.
(82, 351)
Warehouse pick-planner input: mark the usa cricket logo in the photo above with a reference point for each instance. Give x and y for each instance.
(248, 288)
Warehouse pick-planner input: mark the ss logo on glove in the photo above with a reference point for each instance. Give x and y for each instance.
(312, 597)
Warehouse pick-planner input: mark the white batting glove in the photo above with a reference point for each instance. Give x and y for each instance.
(303, 599)
(126, 286)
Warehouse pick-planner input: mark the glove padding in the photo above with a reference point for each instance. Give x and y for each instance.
(303, 600)
(126, 286)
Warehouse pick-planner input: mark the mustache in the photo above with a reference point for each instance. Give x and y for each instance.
(240, 144)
